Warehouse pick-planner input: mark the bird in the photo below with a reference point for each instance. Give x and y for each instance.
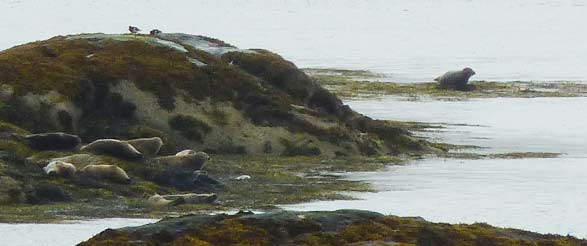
(155, 32)
(133, 29)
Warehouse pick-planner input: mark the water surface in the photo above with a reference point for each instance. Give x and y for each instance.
(66, 233)
(543, 195)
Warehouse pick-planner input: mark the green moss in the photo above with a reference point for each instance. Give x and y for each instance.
(275, 70)
(190, 127)
(303, 148)
(10, 128)
(17, 148)
(233, 232)
(218, 116)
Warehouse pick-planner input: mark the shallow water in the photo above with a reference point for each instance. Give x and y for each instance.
(67, 233)
(409, 40)
(543, 195)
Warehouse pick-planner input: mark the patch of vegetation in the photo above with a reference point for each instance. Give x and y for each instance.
(300, 148)
(346, 85)
(342, 227)
(190, 127)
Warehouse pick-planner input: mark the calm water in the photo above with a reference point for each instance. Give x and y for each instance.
(70, 233)
(544, 195)
(409, 40)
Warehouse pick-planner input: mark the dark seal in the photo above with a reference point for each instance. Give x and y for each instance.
(52, 141)
(455, 80)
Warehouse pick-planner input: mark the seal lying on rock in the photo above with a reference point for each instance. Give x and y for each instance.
(59, 168)
(160, 201)
(52, 141)
(186, 158)
(113, 147)
(193, 198)
(456, 80)
(81, 160)
(149, 147)
(110, 172)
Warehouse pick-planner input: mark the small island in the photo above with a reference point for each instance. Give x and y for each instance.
(178, 125)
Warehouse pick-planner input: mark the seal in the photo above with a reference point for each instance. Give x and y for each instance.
(113, 147)
(59, 169)
(81, 160)
(455, 80)
(52, 141)
(110, 172)
(186, 158)
(149, 147)
(160, 201)
(193, 198)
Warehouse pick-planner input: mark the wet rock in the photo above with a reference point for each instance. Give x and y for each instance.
(52, 141)
(46, 193)
(11, 191)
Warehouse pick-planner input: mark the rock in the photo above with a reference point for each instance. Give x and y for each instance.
(341, 227)
(45, 193)
(204, 182)
(52, 141)
(11, 191)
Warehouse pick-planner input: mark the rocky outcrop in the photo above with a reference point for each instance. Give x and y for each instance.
(193, 92)
(342, 227)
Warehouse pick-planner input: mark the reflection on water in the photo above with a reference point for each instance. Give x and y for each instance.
(67, 233)
(544, 195)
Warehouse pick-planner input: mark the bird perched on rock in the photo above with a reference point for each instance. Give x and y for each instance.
(455, 80)
(133, 29)
(155, 32)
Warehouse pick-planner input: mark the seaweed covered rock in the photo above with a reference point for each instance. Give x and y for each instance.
(192, 91)
(52, 141)
(342, 227)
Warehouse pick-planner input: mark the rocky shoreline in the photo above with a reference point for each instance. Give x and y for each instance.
(342, 227)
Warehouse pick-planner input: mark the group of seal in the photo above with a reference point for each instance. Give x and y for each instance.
(94, 163)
